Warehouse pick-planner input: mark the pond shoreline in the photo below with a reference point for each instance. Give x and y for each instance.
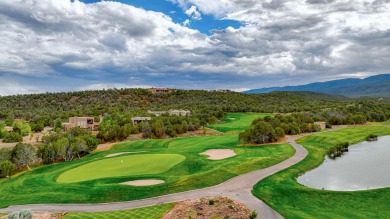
(354, 170)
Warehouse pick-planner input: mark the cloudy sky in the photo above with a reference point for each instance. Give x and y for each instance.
(63, 45)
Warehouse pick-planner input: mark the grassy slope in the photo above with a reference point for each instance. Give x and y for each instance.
(153, 212)
(237, 121)
(195, 172)
(292, 200)
(133, 165)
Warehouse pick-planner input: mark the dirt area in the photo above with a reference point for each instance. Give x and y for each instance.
(148, 182)
(117, 154)
(203, 209)
(219, 154)
(104, 147)
(47, 215)
(201, 132)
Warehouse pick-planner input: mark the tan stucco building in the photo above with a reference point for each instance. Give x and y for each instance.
(322, 125)
(137, 120)
(81, 122)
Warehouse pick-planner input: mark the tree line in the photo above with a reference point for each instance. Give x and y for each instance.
(57, 147)
(271, 129)
(44, 109)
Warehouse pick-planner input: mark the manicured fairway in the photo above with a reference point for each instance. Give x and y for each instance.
(195, 172)
(292, 200)
(154, 212)
(238, 121)
(129, 165)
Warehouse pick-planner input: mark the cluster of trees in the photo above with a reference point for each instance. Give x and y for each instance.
(56, 147)
(118, 127)
(19, 129)
(66, 146)
(22, 155)
(271, 129)
(170, 126)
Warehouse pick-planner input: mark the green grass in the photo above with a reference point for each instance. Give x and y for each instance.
(292, 200)
(238, 121)
(153, 212)
(128, 165)
(195, 172)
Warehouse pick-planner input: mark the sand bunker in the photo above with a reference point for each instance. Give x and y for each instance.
(117, 154)
(219, 154)
(147, 182)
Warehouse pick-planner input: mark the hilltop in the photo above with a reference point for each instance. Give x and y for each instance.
(374, 86)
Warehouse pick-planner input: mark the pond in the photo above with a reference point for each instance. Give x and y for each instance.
(365, 166)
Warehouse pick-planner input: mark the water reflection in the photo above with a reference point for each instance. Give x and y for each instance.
(365, 166)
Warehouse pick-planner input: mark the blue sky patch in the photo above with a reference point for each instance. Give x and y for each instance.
(205, 25)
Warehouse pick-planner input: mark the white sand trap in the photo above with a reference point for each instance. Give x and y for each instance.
(219, 154)
(147, 182)
(117, 154)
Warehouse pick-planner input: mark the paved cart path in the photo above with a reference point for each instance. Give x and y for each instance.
(238, 188)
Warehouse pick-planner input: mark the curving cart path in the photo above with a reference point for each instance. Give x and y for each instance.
(238, 188)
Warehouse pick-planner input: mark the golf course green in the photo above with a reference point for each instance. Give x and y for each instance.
(292, 200)
(129, 165)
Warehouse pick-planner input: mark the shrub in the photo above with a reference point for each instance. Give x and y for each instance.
(253, 215)
(372, 137)
(23, 214)
(211, 202)
(338, 150)
(6, 168)
(13, 137)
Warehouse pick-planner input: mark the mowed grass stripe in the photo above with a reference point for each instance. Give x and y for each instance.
(129, 165)
(153, 212)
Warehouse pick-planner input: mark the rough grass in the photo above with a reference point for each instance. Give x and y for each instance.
(195, 172)
(128, 165)
(154, 212)
(282, 192)
(238, 121)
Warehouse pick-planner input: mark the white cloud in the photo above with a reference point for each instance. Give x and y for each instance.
(109, 42)
(186, 23)
(218, 8)
(193, 13)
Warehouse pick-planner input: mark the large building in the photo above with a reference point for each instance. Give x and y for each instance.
(81, 122)
(137, 120)
(179, 112)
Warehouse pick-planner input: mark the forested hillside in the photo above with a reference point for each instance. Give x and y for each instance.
(50, 106)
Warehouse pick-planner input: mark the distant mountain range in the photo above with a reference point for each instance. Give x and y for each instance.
(374, 86)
